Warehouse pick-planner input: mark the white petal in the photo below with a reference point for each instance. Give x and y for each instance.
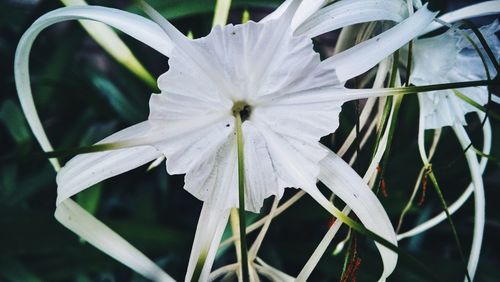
(86, 170)
(278, 12)
(134, 25)
(321, 248)
(244, 63)
(441, 108)
(305, 10)
(233, 62)
(364, 56)
(188, 151)
(211, 225)
(345, 13)
(312, 118)
(462, 199)
(222, 187)
(345, 183)
(273, 162)
(272, 273)
(485, 8)
(495, 99)
(290, 65)
(479, 199)
(193, 53)
(78, 220)
(295, 163)
(259, 171)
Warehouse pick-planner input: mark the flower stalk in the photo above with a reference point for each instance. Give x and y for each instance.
(241, 192)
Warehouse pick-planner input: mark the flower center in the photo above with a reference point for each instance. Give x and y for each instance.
(242, 109)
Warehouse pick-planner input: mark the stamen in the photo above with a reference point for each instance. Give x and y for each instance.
(424, 190)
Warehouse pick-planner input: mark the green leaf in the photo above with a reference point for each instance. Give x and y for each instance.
(12, 117)
(14, 271)
(116, 99)
(109, 41)
(182, 8)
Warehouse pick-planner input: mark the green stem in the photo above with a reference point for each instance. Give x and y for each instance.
(392, 129)
(241, 191)
(199, 265)
(356, 94)
(383, 121)
(433, 179)
(476, 105)
(446, 86)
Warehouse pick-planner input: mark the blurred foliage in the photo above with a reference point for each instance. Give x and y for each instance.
(83, 95)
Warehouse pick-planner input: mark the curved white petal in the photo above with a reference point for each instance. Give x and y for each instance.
(345, 13)
(321, 248)
(485, 8)
(455, 206)
(305, 10)
(345, 183)
(273, 273)
(364, 56)
(479, 199)
(211, 224)
(86, 170)
(495, 99)
(78, 220)
(134, 25)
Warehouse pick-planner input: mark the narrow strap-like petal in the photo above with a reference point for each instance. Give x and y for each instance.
(428, 224)
(305, 10)
(211, 225)
(366, 55)
(86, 170)
(327, 239)
(78, 220)
(479, 199)
(272, 273)
(345, 13)
(477, 10)
(345, 183)
(134, 25)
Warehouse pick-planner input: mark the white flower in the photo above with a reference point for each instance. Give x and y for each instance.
(447, 58)
(268, 73)
(450, 57)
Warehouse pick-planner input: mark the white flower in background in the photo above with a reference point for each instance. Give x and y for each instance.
(446, 58)
(268, 74)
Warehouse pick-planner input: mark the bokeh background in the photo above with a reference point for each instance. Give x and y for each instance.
(83, 95)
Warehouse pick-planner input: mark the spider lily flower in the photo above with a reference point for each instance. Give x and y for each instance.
(265, 73)
(455, 60)
(447, 64)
